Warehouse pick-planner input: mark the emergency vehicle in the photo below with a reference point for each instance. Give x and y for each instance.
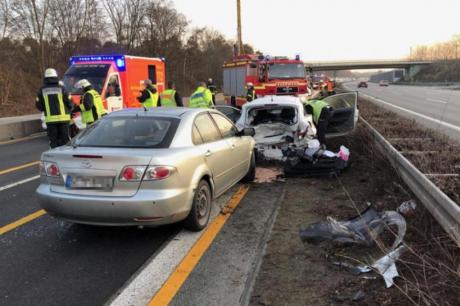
(270, 76)
(117, 78)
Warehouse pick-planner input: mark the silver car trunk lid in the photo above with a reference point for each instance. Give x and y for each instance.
(96, 165)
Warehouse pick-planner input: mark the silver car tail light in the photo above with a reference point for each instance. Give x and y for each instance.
(49, 169)
(155, 173)
(132, 173)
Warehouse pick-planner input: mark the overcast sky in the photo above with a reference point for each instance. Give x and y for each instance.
(351, 29)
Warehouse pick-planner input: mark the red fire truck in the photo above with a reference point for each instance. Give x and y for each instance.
(270, 76)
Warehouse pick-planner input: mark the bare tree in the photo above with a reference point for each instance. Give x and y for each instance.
(69, 19)
(5, 18)
(31, 20)
(126, 17)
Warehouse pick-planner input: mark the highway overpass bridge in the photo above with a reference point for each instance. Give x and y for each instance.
(410, 67)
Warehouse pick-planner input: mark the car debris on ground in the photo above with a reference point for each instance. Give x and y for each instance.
(362, 230)
(314, 160)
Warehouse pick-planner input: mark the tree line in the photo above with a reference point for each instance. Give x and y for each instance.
(448, 50)
(37, 34)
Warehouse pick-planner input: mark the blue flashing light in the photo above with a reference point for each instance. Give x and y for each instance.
(119, 60)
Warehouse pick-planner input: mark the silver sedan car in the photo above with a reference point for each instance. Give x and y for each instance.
(146, 167)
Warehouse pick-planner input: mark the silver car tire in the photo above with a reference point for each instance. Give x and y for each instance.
(198, 217)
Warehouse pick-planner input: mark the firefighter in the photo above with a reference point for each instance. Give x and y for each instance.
(201, 98)
(213, 89)
(321, 113)
(55, 102)
(251, 93)
(91, 106)
(330, 88)
(148, 96)
(170, 97)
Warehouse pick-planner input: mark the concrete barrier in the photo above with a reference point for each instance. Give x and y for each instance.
(21, 126)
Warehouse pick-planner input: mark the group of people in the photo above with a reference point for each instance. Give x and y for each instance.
(55, 102)
(203, 97)
(57, 105)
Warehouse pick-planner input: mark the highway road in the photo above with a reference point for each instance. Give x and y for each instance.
(50, 262)
(435, 102)
(45, 261)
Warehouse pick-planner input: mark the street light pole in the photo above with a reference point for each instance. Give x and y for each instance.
(240, 40)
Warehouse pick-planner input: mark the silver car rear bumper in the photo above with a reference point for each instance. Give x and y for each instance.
(146, 207)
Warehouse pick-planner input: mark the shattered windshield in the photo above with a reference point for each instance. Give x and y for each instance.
(94, 73)
(278, 114)
(286, 71)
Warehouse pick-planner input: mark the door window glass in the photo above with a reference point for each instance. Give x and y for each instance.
(113, 87)
(207, 128)
(152, 73)
(196, 137)
(226, 128)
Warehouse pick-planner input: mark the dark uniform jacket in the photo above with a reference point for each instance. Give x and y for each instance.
(53, 99)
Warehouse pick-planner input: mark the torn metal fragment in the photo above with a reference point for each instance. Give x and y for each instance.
(362, 229)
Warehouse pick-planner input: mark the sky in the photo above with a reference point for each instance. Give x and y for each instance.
(332, 29)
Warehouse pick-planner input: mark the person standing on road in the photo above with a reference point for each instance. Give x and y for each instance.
(201, 98)
(91, 106)
(213, 89)
(55, 102)
(170, 97)
(148, 95)
(251, 93)
(321, 113)
(330, 88)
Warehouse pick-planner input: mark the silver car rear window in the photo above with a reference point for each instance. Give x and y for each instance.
(272, 114)
(129, 132)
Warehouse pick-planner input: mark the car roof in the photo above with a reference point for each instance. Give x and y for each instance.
(157, 111)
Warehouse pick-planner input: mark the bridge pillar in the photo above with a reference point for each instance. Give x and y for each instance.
(411, 71)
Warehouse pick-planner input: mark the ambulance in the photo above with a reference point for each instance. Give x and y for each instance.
(117, 78)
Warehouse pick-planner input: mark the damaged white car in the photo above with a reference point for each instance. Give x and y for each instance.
(281, 120)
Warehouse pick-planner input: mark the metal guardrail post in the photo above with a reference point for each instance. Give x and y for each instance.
(443, 209)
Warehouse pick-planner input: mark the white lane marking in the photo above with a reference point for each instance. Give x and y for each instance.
(143, 285)
(436, 101)
(19, 182)
(437, 121)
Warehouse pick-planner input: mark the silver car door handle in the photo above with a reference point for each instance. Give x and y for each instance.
(208, 153)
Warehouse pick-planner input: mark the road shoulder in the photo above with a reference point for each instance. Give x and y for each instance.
(225, 273)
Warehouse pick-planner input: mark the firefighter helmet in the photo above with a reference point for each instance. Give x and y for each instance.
(82, 84)
(51, 73)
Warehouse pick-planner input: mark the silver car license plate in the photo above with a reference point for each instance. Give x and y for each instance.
(88, 182)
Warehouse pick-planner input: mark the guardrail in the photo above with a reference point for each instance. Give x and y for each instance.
(446, 128)
(443, 209)
(18, 127)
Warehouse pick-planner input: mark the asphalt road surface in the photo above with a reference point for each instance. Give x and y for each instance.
(50, 262)
(435, 102)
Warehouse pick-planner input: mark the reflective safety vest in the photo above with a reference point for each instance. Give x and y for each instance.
(152, 101)
(317, 106)
(55, 110)
(201, 98)
(87, 115)
(168, 98)
(251, 95)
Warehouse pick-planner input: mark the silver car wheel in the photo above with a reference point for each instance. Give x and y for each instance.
(202, 203)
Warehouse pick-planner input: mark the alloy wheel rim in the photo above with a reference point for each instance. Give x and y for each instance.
(202, 203)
